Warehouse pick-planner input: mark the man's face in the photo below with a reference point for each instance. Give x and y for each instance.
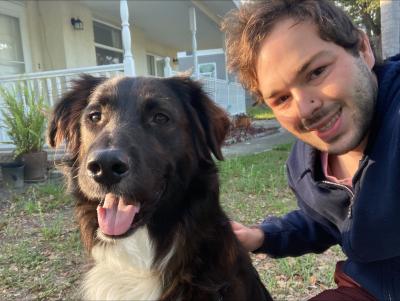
(317, 90)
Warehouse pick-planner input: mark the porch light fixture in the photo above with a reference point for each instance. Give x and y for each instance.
(77, 24)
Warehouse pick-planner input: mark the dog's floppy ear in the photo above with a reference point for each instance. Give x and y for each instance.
(213, 120)
(64, 124)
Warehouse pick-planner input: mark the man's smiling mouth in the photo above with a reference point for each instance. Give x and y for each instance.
(323, 123)
(330, 123)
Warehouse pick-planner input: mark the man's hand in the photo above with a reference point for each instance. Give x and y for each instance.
(250, 238)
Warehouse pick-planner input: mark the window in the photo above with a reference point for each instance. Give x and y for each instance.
(208, 70)
(11, 53)
(155, 65)
(108, 43)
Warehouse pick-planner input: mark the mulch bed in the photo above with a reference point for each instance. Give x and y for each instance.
(242, 134)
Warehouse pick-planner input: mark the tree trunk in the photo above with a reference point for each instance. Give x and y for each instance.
(390, 27)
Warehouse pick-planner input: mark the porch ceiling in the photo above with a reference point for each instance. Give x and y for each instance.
(167, 22)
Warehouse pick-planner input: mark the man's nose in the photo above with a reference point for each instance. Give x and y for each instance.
(307, 103)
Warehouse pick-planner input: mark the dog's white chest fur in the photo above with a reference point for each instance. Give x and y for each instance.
(123, 270)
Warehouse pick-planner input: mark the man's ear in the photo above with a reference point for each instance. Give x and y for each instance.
(64, 124)
(365, 50)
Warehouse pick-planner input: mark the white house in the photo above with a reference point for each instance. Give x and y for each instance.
(46, 43)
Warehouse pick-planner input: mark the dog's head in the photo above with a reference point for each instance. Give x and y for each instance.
(134, 139)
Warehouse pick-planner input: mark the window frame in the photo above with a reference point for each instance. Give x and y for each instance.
(18, 10)
(155, 56)
(208, 63)
(107, 47)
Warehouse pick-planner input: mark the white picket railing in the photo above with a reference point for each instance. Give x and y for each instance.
(228, 95)
(52, 84)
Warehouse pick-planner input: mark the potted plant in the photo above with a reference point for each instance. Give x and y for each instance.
(24, 117)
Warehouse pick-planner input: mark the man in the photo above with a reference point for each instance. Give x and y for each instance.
(316, 71)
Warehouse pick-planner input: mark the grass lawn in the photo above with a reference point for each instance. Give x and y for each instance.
(255, 186)
(260, 112)
(41, 256)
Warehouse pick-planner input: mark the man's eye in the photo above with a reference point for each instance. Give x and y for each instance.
(317, 72)
(94, 117)
(278, 101)
(282, 99)
(160, 118)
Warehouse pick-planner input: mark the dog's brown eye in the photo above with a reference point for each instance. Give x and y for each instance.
(160, 118)
(94, 117)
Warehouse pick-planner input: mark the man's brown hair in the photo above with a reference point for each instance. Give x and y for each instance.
(247, 27)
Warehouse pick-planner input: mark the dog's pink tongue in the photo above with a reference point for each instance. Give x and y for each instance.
(115, 217)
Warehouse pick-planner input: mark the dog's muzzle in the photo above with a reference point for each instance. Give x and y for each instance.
(107, 166)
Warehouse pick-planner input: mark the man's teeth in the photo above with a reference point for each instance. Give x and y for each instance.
(330, 123)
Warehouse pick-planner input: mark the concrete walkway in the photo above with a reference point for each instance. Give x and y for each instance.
(259, 144)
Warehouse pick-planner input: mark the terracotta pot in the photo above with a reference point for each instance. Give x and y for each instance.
(35, 166)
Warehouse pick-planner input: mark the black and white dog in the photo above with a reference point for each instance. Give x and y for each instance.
(147, 191)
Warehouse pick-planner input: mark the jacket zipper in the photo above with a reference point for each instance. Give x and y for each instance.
(351, 193)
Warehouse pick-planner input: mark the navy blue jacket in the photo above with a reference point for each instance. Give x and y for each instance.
(364, 220)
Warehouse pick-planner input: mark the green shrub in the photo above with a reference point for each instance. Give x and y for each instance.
(24, 118)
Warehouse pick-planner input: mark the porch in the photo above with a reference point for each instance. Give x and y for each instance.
(103, 37)
(53, 84)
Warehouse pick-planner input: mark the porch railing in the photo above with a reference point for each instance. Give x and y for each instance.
(228, 95)
(52, 84)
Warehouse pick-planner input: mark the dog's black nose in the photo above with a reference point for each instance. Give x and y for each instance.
(107, 167)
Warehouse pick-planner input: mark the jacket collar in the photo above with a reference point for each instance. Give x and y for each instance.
(305, 159)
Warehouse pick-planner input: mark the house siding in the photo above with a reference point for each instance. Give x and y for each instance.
(46, 35)
(54, 44)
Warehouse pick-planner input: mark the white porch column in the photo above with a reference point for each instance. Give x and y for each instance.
(193, 28)
(129, 64)
(167, 67)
